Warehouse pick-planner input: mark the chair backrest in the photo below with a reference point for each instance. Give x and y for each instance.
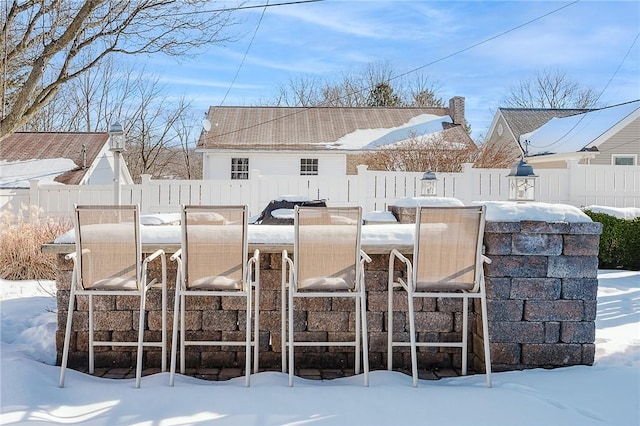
(327, 247)
(109, 239)
(448, 248)
(214, 246)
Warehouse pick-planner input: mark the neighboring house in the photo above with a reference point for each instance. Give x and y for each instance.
(605, 136)
(503, 138)
(316, 140)
(55, 158)
(552, 138)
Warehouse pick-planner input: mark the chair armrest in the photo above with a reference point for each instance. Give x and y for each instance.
(176, 255)
(365, 256)
(395, 254)
(153, 255)
(158, 253)
(485, 259)
(255, 257)
(71, 256)
(285, 258)
(74, 255)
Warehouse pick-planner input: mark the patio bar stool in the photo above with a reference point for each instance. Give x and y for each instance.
(447, 263)
(213, 261)
(108, 262)
(327, 262)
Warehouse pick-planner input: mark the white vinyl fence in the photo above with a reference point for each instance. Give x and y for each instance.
(580, 185)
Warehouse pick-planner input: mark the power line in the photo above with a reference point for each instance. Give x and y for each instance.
(583, 116)
(256, 6)
(598, 97)
(246, 52)
(411, 71)
(486, 40)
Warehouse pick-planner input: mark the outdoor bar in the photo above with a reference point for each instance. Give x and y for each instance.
(541, 291)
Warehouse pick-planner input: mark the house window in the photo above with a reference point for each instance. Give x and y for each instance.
(239, 168)
(308, 166)
(623, 160)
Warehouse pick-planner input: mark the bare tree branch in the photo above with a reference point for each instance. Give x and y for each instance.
(48, 43)
(550, 89)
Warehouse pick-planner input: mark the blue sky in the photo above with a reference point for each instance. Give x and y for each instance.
(588, 40)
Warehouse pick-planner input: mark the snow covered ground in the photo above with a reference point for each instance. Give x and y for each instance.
(607, 393)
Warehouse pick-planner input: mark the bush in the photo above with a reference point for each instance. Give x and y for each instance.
(619, 242)
(21, 239)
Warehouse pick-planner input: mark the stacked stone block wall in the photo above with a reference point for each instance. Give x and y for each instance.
(541, 288)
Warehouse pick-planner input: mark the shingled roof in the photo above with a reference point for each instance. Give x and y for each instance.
(23, 146)
(297, 128)
(525, 120)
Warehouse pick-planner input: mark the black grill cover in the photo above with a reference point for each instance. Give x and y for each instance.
(266, 218)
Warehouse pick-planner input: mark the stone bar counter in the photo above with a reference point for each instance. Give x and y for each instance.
(541, 290)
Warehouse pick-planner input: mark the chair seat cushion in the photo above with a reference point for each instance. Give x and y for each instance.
(325, 284)
(216, 282)
(115, 283)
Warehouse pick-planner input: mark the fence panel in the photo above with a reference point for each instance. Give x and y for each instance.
(553, 186)
(579, 185)
(617, 186)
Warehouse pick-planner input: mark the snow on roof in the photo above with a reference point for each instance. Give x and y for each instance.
(418, 126)
(576, 132)
(17, 174)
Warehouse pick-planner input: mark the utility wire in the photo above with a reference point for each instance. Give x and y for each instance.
(246, 52)
(256, 6)
(486, 40)
(597, 98)
(413, 70)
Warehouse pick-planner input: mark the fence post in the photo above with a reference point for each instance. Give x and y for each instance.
(360, 193)
(34, 195)
(575, 195)
(254, 192)
(464, 190)
(145, 195)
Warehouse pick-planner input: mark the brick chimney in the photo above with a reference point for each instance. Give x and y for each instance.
(456, 110)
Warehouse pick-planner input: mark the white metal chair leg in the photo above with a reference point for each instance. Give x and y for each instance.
(91, 348)
(485, 337)
(67, 332)
(412, 336)
(256, 353)
(291, 341)
(140, 337)
(465, 333)
(283, 313)
(357, 339)
(182, 334)
(365, 339)
(247, 346)
(164, 314)
(390, 324)
(174, 335)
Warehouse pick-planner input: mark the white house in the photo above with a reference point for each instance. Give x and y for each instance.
(54, 158)
(322, 141)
